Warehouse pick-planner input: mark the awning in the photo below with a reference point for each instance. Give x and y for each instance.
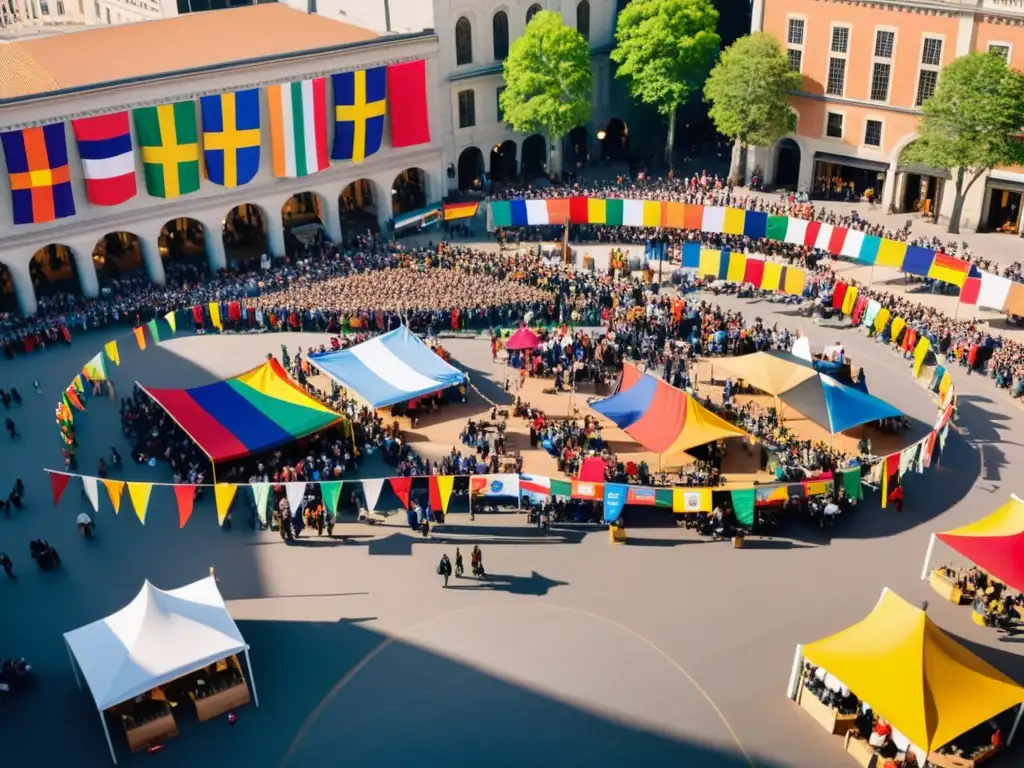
(922, 170)
(995, 543)
(852, 162)
(1006, 184)
(928, 686)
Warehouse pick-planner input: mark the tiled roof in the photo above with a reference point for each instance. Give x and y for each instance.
(98, 55)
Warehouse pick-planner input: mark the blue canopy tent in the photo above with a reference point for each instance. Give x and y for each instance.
(393, 368)
(836, 406)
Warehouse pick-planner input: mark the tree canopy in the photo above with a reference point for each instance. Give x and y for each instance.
(748, 90)
(547, 78)
(972, 123)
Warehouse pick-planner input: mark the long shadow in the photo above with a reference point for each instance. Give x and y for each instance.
(535, 584)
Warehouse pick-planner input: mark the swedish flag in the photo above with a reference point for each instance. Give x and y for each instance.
(231, 136)
(359, 106)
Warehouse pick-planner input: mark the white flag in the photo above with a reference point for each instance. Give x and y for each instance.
(296, 493)
(91, 488)
(371, 490)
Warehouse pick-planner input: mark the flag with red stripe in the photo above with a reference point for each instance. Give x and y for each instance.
(108, 162)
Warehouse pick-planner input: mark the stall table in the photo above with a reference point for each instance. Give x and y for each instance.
(827, 717)
(858, 749)
(945, 586)
(153, 732)
(953, 761)
(209, 707)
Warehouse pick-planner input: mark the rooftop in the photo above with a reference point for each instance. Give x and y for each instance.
(149, 49)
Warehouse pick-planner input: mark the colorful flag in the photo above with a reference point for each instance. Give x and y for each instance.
(359, 105)
(231, 136)
(456, 211)
(495, 485)
(58, 484)
(108, 162)
(371, 492)
(402, 486)
(223, 496)
(139, 494)
(614, 500)
(90, 488)
(111, 349)
(115, 489)
(410, 118)
(331, 493)
(140, 337)
(185, 495)
(172, 321)
(37, 163)
(536, 487)
(170, 148)
(445, 484)
(949, 269)
(298, 127)
(96, 369)
(154, 330)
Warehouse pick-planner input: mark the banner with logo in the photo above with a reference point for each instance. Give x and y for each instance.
(614, 500)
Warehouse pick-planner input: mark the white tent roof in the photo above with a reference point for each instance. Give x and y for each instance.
(156, 638)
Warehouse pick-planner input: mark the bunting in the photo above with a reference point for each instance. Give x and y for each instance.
(111, 349)
(743, 506)
(139, 494)
(140, 337)
(295, 492)
(331, 493)
(115, 489)
(215, 314)
(77, 385)
(372, 490)
(185, 496)
(96, 369)
(58, 484)
(73, 398)
(224, 494)
(402, 486)
(153, 331)
(445, 485)
(172, 321)
(687, 501)
(260, 497)
(91, 490)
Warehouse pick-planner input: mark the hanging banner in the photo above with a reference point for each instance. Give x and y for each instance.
(402, 486)
(91, 490)
(185, 495)
(224, 494)
(372, 490)
(495, 485)
(434, 494)
(445, 484)
(743, 506)
(295, 492)
(111, 349)
(58, 484)
(331, 493)
(139, 494)
(154, 331)
(920, 353)
(614, 500)
(687, 501)
(172, 321)
(140, 337)
(260, 497)
(536, 487)
(215, 314)
(115, 488)
(641, 496)
(587, 491)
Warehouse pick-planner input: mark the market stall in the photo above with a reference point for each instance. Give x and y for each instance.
(895, 683)
(162, 650)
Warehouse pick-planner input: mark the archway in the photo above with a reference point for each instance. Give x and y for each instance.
(117, 255)
(535, 156)
(53, 270)
(614, 141)
(577, 147)
(245, 236)
(182, 244)
(503, 161)
(409, 192)
(302, 217)
(787, 164)
(358, 206)
(471, 169)
(8, 298)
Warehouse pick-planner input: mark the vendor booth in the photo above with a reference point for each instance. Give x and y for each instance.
(162, 650)
(895, 684)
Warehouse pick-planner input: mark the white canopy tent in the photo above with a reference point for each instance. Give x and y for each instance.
(158, 637)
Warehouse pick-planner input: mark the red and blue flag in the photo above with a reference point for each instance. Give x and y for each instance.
(37, 162)
(108, 161)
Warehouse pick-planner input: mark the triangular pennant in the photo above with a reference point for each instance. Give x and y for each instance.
(172, 321)
(402, 486)
(224, 495)
(445, 483)
(95, 369)
(296, 492)
(115, 488)
(139, 494)
(140, 337)
(154, 331)
(58, 483)
(73, 398)
(331, 493)
(434, 494)
(371, 490)
(185, 495)
(111, 349)
(77, 385)
(91, 489)
(260, 495)
(908, 458)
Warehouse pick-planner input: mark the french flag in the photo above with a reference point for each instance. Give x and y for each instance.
(108, 163)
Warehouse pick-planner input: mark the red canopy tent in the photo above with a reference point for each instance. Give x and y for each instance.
(524, 338)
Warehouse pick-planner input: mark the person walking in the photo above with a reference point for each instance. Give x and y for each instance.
(12, 430)
(444, 568)
(5, 563)
(458, 563)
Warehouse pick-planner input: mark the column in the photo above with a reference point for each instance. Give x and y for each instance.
(86, 271)
(275, 234)
(216, 257)
(152, 261)
(23, 288)
(332, 219)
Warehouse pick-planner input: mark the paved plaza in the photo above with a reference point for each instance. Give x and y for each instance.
(669, 650)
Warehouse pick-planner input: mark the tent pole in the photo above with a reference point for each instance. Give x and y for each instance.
(252, 678)
(794, 676)
(881, 597)
(1016, 722)
(106, 732)
(927, 558)
(74, 667)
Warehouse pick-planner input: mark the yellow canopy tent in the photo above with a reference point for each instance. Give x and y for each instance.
(772, 371)
(929, 687)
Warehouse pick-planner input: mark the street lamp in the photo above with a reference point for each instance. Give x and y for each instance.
(601, 135)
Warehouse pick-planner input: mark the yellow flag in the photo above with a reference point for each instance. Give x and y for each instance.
(690, 500)
(445, 483)
(172, 321)
(77, 383)
(849, 300)
(115, 488)
(881, 319)
(224, 494)
(897, 328)
(885, 482)
(215, 314)
(139, 493)
(920, 353)
(111, 349)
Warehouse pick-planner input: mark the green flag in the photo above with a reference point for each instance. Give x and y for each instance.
(561, 488)
(170, 148)
(851, 483)
(663, 497)
(153, 331)
(743, 506)
(331, 493)
(260, 494)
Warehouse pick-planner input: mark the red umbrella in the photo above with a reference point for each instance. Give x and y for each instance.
(524, 338)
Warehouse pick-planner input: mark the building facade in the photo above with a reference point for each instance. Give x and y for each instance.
(215, 223)
(868, 66)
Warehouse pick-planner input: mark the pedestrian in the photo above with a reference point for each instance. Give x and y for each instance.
(232, 718)
(458, 563)
(11, 429)
(425, 527)
(19, 486)
(5, 563)
(444, 568)
(16, 395)
(15, 499)
(38, 389)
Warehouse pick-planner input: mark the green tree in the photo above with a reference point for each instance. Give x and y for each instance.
(547, 80)
(971, 124)
(665, 49)
(749, 95)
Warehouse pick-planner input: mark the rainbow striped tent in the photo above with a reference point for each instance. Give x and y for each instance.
(253, 412)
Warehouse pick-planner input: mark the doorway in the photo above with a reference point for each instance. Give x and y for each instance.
(1003, 211)
(787, 164)
(921, 194)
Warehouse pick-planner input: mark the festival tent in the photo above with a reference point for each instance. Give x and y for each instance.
(802, 349)
(524, 338)
(771, 371)
(928, 686)
(663, 419)
(995, 543)
(389, 369)
(158, 637)
(255, 411)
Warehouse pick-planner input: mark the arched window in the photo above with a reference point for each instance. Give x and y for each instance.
(463, 41)
(583, 19)
(499, 29)
(532, 11)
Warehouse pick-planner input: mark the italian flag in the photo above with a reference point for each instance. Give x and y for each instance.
(298, 127)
